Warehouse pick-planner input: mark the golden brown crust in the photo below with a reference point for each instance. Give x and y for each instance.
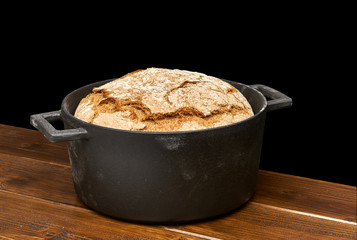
(160, 100)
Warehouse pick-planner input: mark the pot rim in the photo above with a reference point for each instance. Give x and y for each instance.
(90, 125)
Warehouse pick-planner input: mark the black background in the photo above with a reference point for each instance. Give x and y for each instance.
(42, 62)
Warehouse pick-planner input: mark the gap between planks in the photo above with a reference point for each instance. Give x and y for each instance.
(306, 214)
(189, 233)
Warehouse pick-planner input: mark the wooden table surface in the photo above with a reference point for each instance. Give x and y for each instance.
(37, 201)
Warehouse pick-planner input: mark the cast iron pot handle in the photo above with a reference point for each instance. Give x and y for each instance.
(279, 100)
(42, 123)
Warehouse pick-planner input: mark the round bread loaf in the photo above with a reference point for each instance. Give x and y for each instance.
(164, 100)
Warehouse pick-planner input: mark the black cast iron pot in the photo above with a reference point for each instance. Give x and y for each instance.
(163, 177)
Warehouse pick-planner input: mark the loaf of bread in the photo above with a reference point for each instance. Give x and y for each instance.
(164, 100)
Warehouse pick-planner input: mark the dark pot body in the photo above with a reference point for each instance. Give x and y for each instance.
(164, 177)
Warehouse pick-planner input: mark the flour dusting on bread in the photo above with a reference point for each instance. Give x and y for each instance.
(164, 100)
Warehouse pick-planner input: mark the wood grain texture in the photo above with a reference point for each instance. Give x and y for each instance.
(25, 216)
(37, 179)
(37, 201)
(304, 194)
(30, 143)
(261, 221)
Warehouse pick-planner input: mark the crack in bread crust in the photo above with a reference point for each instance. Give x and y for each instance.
(164, 100)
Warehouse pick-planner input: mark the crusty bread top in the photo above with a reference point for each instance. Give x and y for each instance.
(164, 100)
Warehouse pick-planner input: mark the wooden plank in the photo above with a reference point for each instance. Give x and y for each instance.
(30, 143)
(309, 195)
(37, 179)
(318, 197)
(15, 134)
(25, 216)
(29, 218)
(53, 182)
(261, 221)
